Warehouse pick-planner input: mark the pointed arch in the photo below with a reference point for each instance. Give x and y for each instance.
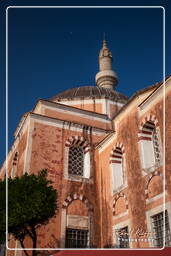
(76, 196)
(119, 195)
(118, 148)
(149, 118)
(78, 141)
(148, 180)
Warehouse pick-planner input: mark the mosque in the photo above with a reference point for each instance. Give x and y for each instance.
(109, 159)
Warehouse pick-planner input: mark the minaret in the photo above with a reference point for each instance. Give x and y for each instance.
(106, 77)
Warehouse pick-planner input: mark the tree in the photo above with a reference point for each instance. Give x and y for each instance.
(32, 201)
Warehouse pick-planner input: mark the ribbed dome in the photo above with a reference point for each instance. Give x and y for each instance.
(90, 92)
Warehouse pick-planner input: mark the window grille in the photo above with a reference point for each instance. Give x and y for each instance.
(123, 238)
(158, 228)
(14, 165)
(76, 159)
(156, 146)
(76, 238)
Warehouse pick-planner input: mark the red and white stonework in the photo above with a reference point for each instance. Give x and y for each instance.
(109, 158)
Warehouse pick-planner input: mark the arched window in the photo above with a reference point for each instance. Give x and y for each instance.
(150, 146)
(117, 166)
(77, 222)
(76, 160)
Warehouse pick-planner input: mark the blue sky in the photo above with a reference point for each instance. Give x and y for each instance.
(52, 49)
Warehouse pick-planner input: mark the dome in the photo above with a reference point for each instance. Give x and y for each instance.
(92, 92)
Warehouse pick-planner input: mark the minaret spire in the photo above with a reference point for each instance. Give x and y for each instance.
(106, 77)
(104, 44)
(104, 41)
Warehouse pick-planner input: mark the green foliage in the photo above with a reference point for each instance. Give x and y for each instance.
(32, 201)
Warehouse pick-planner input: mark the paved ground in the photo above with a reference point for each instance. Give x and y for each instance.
(165, 252)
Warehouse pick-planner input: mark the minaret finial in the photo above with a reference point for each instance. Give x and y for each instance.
(106, 77)
(104, 40)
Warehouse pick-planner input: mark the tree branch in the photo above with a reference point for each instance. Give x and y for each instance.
(29, 233)
(22, 245)
(34, 253)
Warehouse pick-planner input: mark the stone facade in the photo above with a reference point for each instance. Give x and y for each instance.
(117, 185)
